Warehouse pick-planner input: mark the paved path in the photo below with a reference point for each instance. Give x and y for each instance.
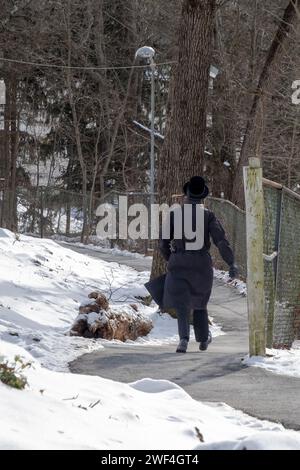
(217, 375)
(139, 263)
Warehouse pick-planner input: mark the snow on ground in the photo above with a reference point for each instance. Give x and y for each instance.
(165, 331)
(41, 287)
(100, 245)
(237, 284)
(66, 411)
(282, 362)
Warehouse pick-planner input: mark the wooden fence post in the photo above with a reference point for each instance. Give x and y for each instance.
(255, 263)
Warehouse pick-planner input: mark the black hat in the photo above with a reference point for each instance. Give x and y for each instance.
(196, 188)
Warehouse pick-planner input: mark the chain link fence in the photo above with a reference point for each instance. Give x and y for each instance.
(282, 273)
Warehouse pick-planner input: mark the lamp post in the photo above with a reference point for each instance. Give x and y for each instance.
(2, 101)
(148, 53)
(213, 72)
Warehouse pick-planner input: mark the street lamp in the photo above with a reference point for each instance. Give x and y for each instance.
(148, 53)
(213, 72)
(2, 102)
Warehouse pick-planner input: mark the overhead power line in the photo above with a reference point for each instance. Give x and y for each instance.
(66, 67)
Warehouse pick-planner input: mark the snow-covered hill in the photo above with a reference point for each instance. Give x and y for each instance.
(41, 287)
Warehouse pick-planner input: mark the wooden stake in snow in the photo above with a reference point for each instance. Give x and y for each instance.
(255, 264)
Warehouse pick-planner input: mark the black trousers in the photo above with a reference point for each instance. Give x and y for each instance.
(200, 322)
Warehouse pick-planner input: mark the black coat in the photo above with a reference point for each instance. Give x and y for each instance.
(189, 279)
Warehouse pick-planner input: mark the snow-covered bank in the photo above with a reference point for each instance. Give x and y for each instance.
(66, 411)
(282, 362)
(100, 245)
(41, 286)
(237, 284)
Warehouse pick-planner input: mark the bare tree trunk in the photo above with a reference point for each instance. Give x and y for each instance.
(68, 217)
(223, 139)
(6, 155)
(10, 147)
(291, 156)
(92, 192)
(76, 127)
(223, 132)
(102, 84)
(14, 143)
(116, 129)
(255, 126)
(183, 152)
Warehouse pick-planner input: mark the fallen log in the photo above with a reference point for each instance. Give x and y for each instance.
(97, 319)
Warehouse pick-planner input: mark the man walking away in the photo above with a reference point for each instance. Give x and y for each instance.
(189, 279)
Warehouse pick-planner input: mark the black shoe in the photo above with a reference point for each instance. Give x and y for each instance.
(204, 344)
(182, 346)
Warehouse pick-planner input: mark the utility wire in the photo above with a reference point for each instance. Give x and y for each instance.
(66, 67)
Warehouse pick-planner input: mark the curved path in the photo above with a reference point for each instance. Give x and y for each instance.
(217, 375)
